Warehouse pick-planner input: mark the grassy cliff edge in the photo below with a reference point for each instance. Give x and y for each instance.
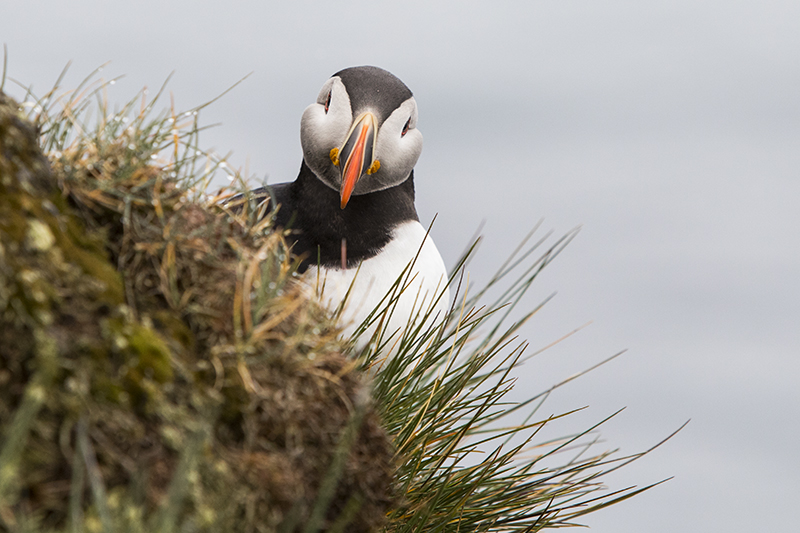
(160, 366)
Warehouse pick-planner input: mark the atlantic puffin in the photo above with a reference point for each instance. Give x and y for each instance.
(351, 210)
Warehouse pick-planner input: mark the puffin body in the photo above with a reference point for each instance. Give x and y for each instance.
(351, 208)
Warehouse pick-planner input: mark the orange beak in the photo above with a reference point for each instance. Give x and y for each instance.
(358, 154)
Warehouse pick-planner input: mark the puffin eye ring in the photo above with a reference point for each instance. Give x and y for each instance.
(405, 128)
(328, 102)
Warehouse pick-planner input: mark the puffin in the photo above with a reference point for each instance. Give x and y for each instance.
(350, 212)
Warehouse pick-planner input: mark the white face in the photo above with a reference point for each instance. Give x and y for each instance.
(325, 125)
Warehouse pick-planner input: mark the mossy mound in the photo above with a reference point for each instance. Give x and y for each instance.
(160, 365)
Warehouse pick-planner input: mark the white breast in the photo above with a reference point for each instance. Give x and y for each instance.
(368, 285)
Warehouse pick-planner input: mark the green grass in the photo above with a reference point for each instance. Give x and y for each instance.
(469, 457)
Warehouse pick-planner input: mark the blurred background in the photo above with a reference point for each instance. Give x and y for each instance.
(670, 131)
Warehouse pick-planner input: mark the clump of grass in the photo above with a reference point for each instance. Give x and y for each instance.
(162, 369)
(469, 459)
(168, 371)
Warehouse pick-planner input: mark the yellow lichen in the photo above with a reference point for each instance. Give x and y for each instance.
(39, 237)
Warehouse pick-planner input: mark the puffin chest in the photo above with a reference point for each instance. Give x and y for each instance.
(407, 280)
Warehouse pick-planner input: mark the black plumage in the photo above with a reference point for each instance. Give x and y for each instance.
(311, 210)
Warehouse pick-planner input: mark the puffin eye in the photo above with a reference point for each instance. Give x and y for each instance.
(405, 128)
(328, 102)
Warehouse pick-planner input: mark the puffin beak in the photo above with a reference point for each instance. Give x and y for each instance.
(358, 154)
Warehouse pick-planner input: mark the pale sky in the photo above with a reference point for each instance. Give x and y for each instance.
(669, 130)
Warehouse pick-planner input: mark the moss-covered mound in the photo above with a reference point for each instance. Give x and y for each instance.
(160, 368)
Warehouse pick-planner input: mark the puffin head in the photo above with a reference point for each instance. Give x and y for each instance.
(360, 136)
